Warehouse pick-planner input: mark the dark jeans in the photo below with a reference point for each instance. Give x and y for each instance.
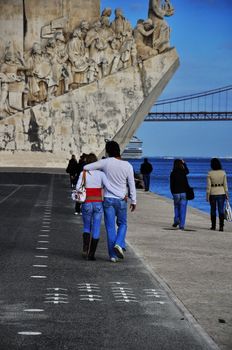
(217, 202)
(146, 180)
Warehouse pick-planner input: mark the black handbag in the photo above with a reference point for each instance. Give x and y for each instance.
(190, 193)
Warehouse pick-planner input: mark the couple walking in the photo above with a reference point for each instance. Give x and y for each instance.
(115, 175)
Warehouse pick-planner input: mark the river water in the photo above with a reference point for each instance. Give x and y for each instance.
(198, 169)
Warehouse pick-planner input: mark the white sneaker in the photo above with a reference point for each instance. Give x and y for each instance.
(76, 213)
(118, 251)
(113, 260)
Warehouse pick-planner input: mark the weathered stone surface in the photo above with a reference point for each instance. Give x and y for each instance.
(81, 120)
(40, 13)
(19, 18)
(11, 24)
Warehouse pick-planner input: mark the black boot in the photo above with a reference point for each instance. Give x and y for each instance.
(92, 249)
(86, 240)
(213, 222)
(221, 222)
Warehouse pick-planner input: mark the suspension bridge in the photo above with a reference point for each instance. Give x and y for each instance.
(212, 105)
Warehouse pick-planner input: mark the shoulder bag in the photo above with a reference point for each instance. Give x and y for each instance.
(228, 211)
(79, 195)
(190, 193)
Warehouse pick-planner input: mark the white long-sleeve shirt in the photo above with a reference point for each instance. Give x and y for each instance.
(97, 179)
(119, 173)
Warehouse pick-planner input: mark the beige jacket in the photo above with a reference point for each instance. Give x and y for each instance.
(216, 183)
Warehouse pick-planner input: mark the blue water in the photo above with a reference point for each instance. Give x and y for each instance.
(198, 169)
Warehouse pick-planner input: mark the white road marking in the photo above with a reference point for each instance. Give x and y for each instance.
(43, 241)
(29, 333)
(41, 256)
(56, 302)
(40, 265)
(90, 295)
(39, 277)
(33, 310)
(41, 248)
(56, 288)
(90, 299)
(11, 194)
(56, 298)
(57, 294)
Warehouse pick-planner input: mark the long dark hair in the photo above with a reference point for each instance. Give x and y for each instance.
(215, 164)
(178, 164)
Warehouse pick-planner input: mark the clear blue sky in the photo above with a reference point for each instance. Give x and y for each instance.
(202, 35)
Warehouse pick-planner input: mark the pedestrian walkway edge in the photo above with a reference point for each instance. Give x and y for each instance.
(199, 330)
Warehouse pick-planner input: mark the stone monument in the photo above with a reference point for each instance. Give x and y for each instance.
(72, 77)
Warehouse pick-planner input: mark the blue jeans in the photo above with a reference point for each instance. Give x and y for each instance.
(217, 201)
(180, 208)
(92, 215)
(115, 212)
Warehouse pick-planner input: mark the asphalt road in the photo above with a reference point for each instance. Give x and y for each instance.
(50, 298)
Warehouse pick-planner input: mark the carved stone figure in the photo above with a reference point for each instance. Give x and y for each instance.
(142, 31)
(161, 35)
(168, 8)
(78, 57)
(105, 16)
(61, 71)
(12, 84)
(97, 40)
(51, 80)
(121, 27)
(84, 28)
(124, 42)
(39, 69)
(106, 36)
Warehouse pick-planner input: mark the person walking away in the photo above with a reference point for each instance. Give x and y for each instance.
(178, 187)
(146, 169)
(120, 175)
(92, 208)
(217, 192)
(80, 165)
(72, 169)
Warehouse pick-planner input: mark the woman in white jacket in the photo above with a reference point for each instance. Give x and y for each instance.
(217, 192)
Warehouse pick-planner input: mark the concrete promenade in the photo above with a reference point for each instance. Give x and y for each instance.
(194, 266)
(173, 290)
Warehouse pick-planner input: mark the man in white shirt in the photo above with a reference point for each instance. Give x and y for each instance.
(120, 175)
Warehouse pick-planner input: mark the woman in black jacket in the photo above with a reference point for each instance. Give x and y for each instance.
(179, 186)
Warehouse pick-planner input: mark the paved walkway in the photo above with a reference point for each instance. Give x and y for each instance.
(186, 305)
(194, 266)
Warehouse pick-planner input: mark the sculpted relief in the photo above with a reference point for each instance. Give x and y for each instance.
(63, 61)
